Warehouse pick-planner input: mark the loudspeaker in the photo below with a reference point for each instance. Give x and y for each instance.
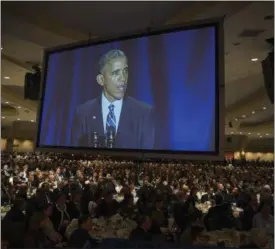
(32, 86)
(268, 71)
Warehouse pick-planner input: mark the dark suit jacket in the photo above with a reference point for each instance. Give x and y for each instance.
(135, 131)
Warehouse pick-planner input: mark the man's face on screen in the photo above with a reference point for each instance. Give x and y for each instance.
(114, 77)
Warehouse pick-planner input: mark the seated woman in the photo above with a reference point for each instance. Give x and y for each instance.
(263, 218)
(60, 217)
(35, 237)
(48, 227)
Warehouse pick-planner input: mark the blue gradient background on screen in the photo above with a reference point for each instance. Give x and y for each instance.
(173, 72)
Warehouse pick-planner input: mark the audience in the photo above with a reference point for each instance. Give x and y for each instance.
(47, 192)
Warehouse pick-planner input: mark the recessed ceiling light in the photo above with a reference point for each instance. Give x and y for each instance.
(244, 116)
(253, 112)
(249, 133)
(7, 102)
(3, 117)
(241, 133)
(6, 77)
(264, 108)
(258, 134)
(1, 48)
(236, 119)
(18, 119)
(19, 107)
(261, 136)
(254, 59)
(32, 121)
(266, 134)
(232, 132)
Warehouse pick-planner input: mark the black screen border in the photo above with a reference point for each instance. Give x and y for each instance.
(216, 154)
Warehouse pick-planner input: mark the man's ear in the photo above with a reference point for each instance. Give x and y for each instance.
(100, 79)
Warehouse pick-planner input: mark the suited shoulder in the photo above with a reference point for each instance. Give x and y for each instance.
(87, 106)
(139, 104)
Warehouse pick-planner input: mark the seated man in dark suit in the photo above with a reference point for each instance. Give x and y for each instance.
(128, 120)
(80, 237)
(108, 206)
(141, 233)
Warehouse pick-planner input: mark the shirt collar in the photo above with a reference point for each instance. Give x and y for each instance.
(106, 102)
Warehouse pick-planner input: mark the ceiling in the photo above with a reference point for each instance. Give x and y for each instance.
(29, 27)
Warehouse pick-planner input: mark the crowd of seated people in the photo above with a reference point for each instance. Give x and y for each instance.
(47, 191)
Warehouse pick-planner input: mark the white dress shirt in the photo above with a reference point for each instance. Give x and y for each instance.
(105, 110)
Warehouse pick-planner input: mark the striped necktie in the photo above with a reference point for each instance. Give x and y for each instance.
(111, 120)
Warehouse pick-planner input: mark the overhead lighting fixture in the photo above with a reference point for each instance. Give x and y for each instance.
(254, 59)
(236, 119)
(241, 133)
(244, 116)
(249, 133)
(19, 107)
(232, 132)
(6, 77)
(261, 136)
(3, 117)
(264, 108)
(258, 134)
(18, 119)
(266, 134)
(32, 121)
(253, 112)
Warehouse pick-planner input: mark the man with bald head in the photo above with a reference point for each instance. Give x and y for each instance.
(129, 120)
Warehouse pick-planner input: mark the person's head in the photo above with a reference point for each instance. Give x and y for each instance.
(85, 222)
(113, 74)
(19, 203)
(48, 209)
(76, 196)
(60, 199)
(145, 222)
(159, 203)
(220, 187)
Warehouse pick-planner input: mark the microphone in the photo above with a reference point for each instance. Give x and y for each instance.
(95, 140)
(110, 139)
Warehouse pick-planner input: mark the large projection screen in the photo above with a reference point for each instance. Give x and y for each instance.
(156, 94)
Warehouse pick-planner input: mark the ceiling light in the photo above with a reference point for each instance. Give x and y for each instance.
(32, 121)
(18, 119)
(266, 134)
(264, 108)
(1, 48)
(19, 107)
(236, 119)
(6, 77)
(241, 133)
(249, 133)
(254, 59)
(232, 132)
(258, 134)
(253, 112)
(7, 102)
(244, 116)
(261, 136)
(3, 117)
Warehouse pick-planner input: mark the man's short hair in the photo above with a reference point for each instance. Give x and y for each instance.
(110, 55)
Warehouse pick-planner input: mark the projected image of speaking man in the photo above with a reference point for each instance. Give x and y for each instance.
(130, 120)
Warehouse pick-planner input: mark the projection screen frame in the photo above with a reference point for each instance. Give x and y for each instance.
(218, 154)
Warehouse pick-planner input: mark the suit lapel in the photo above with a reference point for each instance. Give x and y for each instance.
(124, 119)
